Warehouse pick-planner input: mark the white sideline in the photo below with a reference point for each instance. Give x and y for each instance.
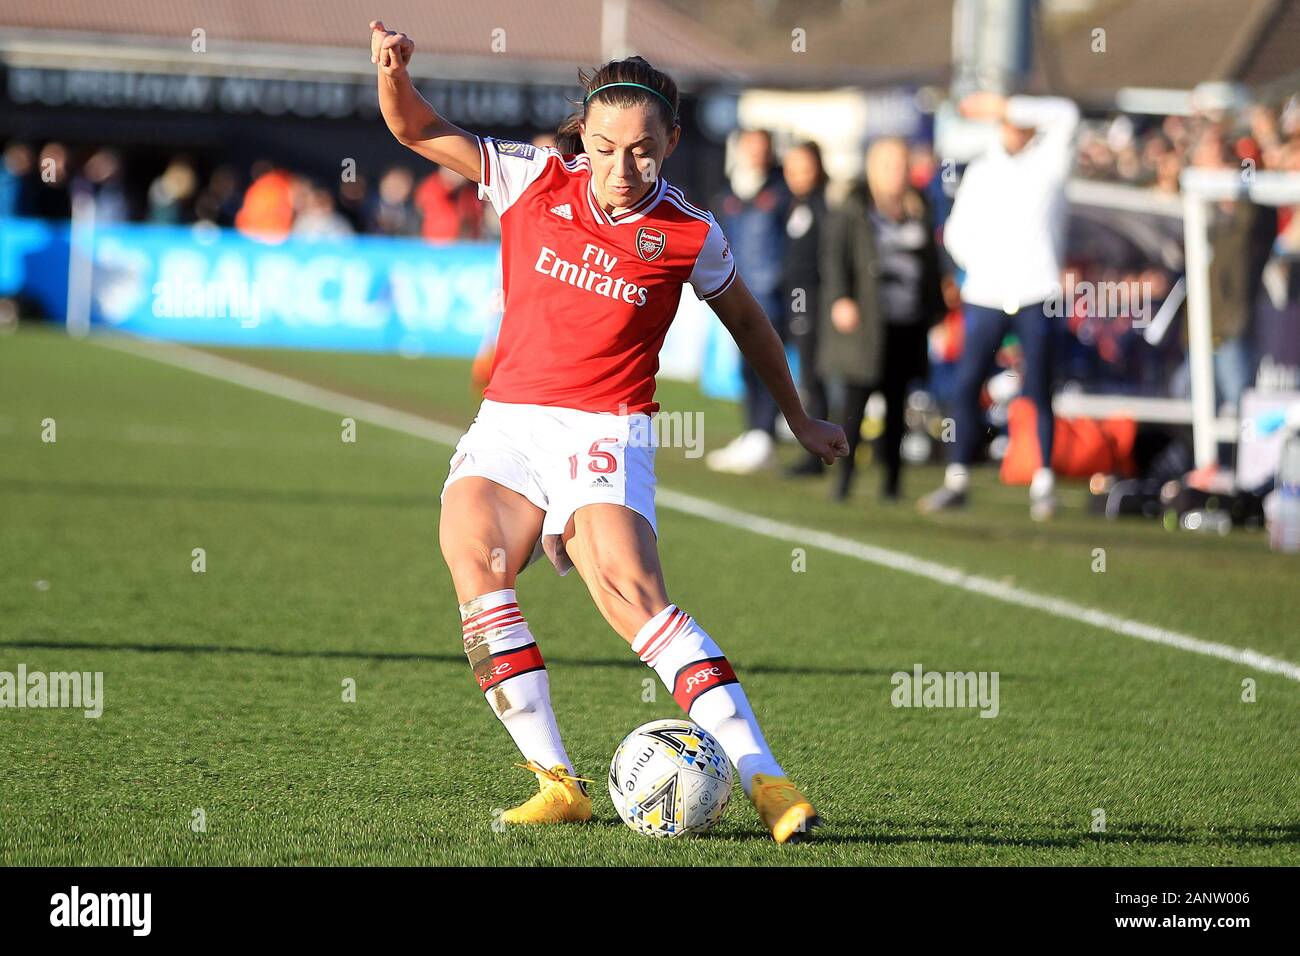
(282, 386)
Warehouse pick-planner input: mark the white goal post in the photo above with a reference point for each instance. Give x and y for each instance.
(1200, 188)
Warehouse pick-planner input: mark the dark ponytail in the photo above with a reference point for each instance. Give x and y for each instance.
(568, 138)
(652, 88)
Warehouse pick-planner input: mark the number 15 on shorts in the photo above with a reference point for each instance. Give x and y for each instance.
(598, 461)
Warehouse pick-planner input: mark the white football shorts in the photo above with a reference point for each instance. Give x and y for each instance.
(560, 459)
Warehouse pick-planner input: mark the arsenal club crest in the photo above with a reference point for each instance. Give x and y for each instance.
(650, 243)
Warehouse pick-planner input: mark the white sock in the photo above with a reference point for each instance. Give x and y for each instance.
(511, 674)
(1042, 484)
(671, 642)
(956, 477)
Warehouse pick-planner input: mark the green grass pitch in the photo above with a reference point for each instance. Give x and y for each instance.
(224, 689)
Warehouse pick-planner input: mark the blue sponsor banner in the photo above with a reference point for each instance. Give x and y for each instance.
(211, 286)
(220, 287)
(34, 264)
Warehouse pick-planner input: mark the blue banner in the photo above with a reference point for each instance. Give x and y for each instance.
(34, 265)
(207, 285)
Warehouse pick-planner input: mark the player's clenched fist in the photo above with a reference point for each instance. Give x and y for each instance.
(826, 440)
(389, 49)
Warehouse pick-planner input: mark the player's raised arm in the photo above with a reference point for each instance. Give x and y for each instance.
(409, 116)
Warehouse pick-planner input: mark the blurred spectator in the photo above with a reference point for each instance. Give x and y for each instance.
(1266, 131)
(393, 213)
(1288, 237)
(300, 188)
(1006, 231)
(100, 180)
(881, 282)
(1152, 152)
(449, 207)
(317, 215)
(172, 193)
(219, 203)
(921, 166)
(16, 188)
(1106, 349)
(945, 343)
(268, 207)
(1167, 170)
(51, 194)
(751, 211)
(352, 202)
(805, 177)
(927, 179)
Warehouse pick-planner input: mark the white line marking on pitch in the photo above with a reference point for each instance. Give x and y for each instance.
(282, 386)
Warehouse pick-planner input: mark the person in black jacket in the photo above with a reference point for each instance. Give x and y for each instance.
(881, 293)
(805, 177)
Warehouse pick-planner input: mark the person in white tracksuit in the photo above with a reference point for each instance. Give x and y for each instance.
(1007, 231)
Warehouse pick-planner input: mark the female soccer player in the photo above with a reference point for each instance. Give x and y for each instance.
(595, 249)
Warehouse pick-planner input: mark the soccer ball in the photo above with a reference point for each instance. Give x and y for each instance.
(670, 778)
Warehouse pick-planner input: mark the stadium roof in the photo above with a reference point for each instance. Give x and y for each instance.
(1172, 44)
(504, 39)
(1160, 44)
(880, 43)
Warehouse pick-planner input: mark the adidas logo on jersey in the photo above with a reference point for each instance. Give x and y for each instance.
(601, 482)
(563, 211)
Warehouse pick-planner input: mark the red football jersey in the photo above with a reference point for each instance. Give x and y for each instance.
(589, 296)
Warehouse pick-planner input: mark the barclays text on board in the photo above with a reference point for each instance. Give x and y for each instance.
(218, 286)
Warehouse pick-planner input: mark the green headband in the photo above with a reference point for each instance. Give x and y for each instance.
(639, 86)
